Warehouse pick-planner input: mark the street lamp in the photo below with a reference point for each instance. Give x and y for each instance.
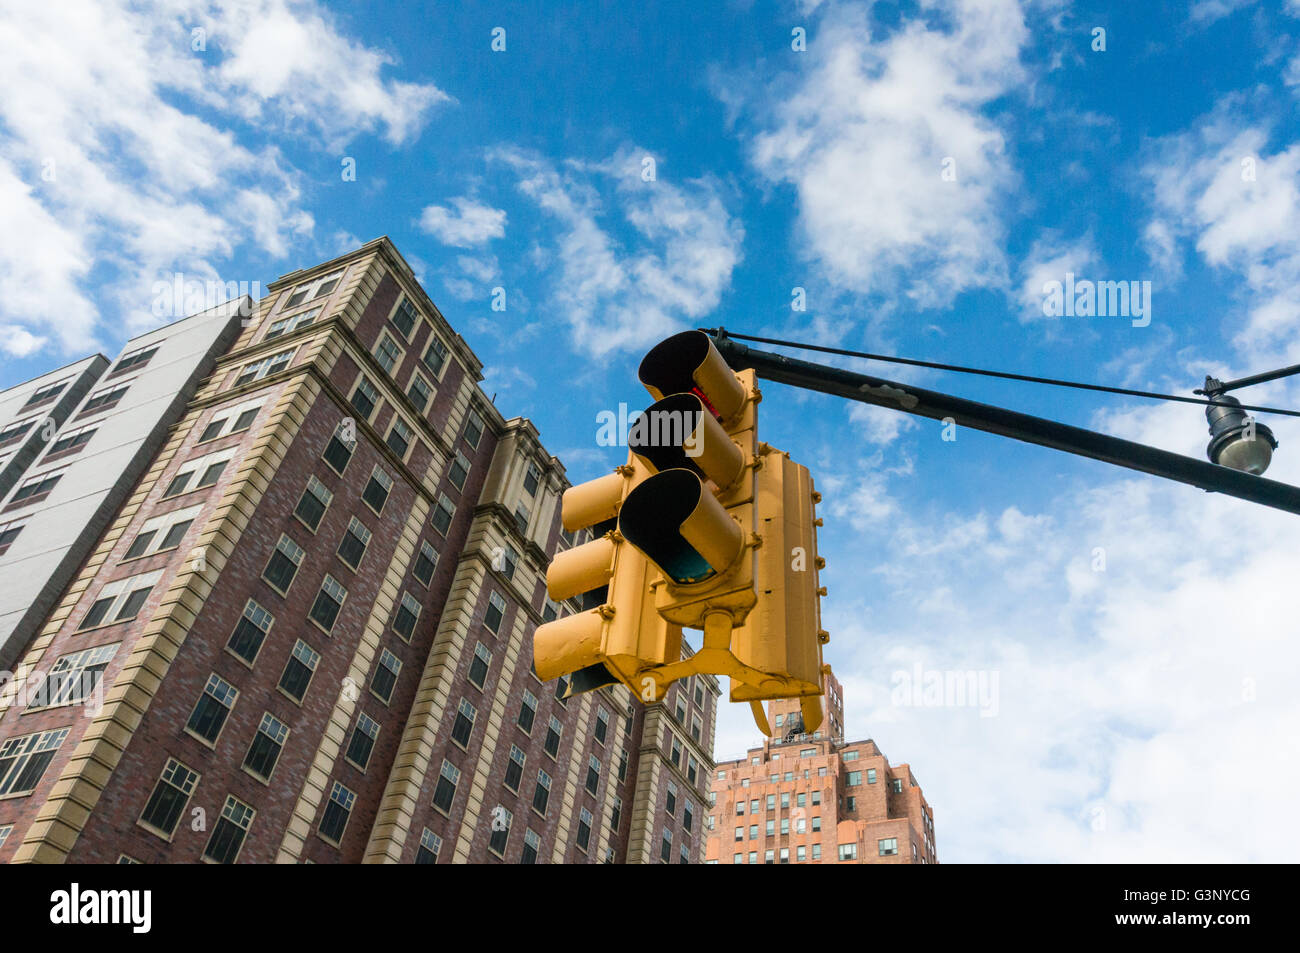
(1236, 440)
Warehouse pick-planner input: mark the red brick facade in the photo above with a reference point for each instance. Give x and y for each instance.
(476, 617)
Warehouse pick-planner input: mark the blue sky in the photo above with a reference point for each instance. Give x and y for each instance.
(1139, 632)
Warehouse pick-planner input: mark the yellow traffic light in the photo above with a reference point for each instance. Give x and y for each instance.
(782, 636)
(618, 633)
(727, 520)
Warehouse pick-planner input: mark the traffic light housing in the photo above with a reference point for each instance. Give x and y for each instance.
(729, 522)
(617, 632)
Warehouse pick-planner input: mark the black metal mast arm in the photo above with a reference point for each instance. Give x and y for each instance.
(1009, 423)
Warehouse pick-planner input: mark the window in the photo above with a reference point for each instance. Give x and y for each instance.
(532, 845)
(542, 793)
(377, 489)
(435, 356)
(509, 561)
(740, 833)
(8, 533)
(887, 847)
(551, 610)
(496, 611)
(70, 443)
(23, 760)
(425, 563)
(770, 830)
(298, 670)
(293, 322)
(356, 538)
(266, 747)
(46, 392)
(5, 831)
(622, 764)
(208, 468)
(854, 779)
(404, 317)
(315, 288)
(816, 851)
(753, 832)
(801, 854)
(898, 785)
(399, 438)
(36, 488)
(474, 426)
(329, 600)
(162, 532)
(419, 392)
(848, 851)
(670, 804)
(464, 723)
(458, 470)
(849, 755)
(228, 836)
(256, 370)
(283, 564)
(554, 730)
(676, 751)
(753, 806)
(817, 823)
(443, 513)
(532, 478)
(478, 669)
(16, 430)
(388, 354)
(785, 825)
(521, 518)
(119, 601)
(363, 741)
(365, 398)
(407, 614)
(785, 799)
(137, 358)
(239, 418)
(385, 678)
(616, 814)
(337, 812)
(593, 774)
(250, 632)
(699, 689)
(697, 727)
(666, 846)
(501, 819)
(214, 705)
(584, 829)
(602, 725)
(105, 398)
(445, 792)
(169, 797)
(313, 503)
(339, 450)
(430, 845)
(527, 711)
(74, 678)
(514, 768)
(692, 768)
(688, 817)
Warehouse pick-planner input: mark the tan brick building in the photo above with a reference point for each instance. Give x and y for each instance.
(307, 634)
(817, 799)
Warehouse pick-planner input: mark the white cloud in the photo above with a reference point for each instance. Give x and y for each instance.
(881, 425)
(624, 284)
(121, 153)
(1050, 259)
(1239, 201)
(1205, 12)
(470, 223)
(19, 342)
(864, 136)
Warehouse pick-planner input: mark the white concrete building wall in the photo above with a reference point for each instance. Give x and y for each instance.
(59, 530)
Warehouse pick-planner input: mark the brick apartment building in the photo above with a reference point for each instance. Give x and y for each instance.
(817, 799)
(306, 634)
